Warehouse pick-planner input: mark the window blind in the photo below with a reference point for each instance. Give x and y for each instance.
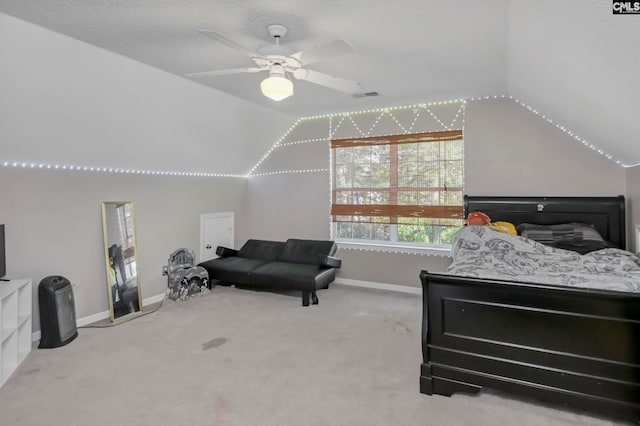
(413, 179)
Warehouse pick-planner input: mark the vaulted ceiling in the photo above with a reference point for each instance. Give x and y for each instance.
(572, 60)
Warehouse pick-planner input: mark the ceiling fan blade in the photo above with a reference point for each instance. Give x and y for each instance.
(224, 72)
(317, 53)
(232, 44)
(336, 83)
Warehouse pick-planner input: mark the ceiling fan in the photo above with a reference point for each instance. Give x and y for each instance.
(282, 61)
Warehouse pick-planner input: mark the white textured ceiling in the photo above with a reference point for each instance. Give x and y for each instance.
(572, 59)
(411, 50)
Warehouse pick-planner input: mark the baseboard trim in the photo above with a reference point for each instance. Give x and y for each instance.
(92, 318)
(153, 299)
(378, 286)
(102, 315)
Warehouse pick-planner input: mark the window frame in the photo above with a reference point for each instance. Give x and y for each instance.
(393, 244)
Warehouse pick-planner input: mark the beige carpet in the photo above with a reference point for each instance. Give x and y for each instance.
(239, 357)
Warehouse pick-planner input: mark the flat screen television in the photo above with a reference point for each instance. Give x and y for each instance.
(3, 265)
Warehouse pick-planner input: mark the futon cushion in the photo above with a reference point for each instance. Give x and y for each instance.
(294, 276)
(307, 251)
(261, 250)
(231, 269)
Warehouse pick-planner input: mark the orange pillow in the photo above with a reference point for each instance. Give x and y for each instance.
(477, 219)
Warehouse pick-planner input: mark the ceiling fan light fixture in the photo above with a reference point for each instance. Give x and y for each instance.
(282, 62)
(276, 87)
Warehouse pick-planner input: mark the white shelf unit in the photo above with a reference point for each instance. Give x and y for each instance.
(15, 325)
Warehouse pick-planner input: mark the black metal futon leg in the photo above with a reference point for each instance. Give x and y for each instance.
(305, 298)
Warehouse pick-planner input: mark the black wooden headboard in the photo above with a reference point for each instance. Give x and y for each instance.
(606, 214)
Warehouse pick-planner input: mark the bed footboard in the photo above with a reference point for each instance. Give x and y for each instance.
(568, 346)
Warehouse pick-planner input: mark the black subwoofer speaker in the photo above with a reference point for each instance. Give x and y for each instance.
(57, 312)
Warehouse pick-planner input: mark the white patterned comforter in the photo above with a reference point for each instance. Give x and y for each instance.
(484, 253)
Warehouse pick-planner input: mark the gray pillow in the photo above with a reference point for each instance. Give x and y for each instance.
(563, 232)
(579, 237)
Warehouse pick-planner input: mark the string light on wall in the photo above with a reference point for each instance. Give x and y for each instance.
(397, 250)
(389, 112)
(377, 110)
(284, 172)
(559, 127)
(274, 146)
(463, 102)
(437, 119)
(332, 130)
(302, 141)
(338, 119)
(461, 110)
(356, 125)
(416, 113)
(66, 167)
(349, 116)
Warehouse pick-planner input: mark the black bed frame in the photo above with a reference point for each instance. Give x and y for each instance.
(564, 345)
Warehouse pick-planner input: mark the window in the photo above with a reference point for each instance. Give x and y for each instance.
(398, 190)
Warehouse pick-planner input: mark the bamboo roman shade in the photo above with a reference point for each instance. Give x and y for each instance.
(399, 179)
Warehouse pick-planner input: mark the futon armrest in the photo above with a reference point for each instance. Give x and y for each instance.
(332, 262)
(226, 252)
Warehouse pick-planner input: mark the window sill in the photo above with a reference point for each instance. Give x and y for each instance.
(433, 250)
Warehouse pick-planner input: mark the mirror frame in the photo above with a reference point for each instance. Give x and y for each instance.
(108, 265)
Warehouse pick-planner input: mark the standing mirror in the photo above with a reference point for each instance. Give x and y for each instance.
(121, 258)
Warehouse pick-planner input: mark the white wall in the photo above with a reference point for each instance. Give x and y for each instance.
(53, 222)
(65, 101)
(511, 151)
(508, 151)
(288, 206)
